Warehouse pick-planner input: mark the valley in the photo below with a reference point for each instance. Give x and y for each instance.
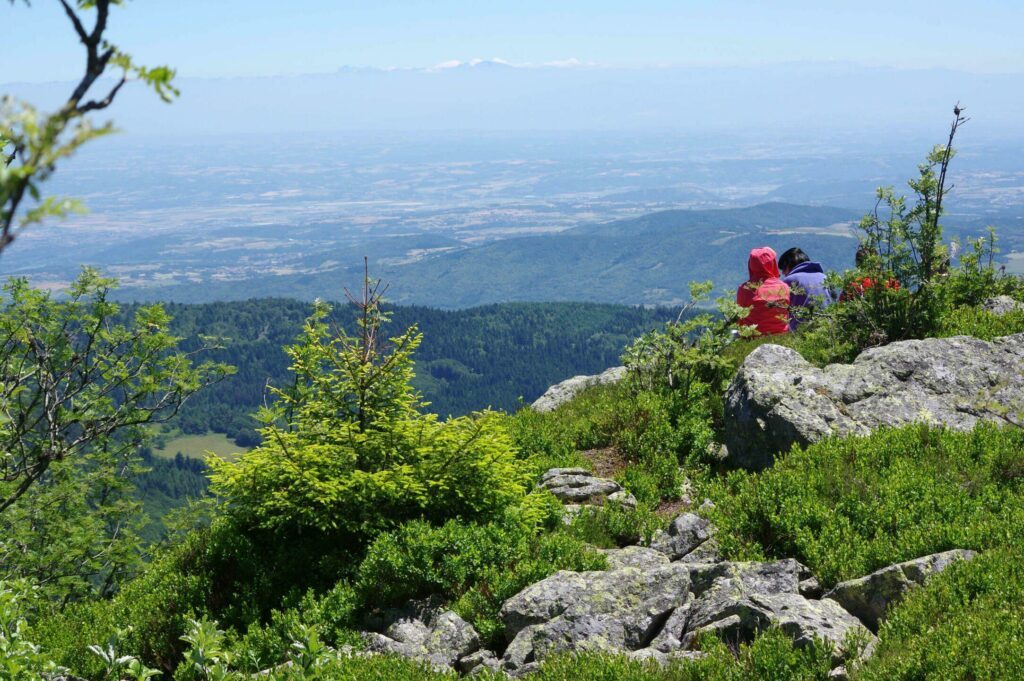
(455, 221)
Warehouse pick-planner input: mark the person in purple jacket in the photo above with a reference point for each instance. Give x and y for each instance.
(806, 281)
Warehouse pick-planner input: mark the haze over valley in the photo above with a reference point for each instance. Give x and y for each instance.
(233, 217)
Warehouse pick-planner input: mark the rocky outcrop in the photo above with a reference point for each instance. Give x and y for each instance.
(737, 600)
(579, 487)
(560, 393)
(662, 610)
(440, 639)
(778, 399)
(634, 556)
(657, 604)
(1002, 305)
(611, 611)
(870, 597)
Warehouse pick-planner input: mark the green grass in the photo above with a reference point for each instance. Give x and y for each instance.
(197, 447)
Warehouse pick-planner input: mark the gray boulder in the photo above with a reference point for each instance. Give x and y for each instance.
(578, 486)
(659, 611)
(870, 597)
(687, 532)
(560, 393)
(440, 641)
(778, 399)
(737, 600)
(1002, 305)
(612, 611)
(634, 556)
(479, 662)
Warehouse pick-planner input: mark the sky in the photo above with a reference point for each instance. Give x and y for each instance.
(227, 38)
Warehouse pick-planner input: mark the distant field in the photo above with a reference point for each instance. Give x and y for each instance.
(196, 446)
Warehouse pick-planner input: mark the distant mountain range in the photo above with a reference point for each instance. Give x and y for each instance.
(648, 260)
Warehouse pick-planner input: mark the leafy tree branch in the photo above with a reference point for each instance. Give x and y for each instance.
(32, 143)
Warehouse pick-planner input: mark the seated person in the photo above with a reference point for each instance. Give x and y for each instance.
(806, 281)
(765, 294)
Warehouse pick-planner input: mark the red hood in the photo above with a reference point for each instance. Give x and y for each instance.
(762, 264)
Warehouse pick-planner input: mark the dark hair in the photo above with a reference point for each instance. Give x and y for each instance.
(863, 253)
(792, 258)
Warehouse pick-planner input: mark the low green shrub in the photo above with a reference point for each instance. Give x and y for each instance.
(477, 566)
(334, 617)
(346, 449)
(848, 507)
(151, 611)
(653, 431)
(770, 656)
(965, 624)
(588, 421)
(612, 525)
(977, 322)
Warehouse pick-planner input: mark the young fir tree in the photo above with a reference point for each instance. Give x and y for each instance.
(346, 449)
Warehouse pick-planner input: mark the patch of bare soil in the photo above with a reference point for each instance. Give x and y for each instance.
(670, 509)
(607, 462)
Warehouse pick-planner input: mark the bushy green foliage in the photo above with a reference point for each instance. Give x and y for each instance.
(651, 432)
(965, 624)
(476, 566)
(77, 391)
(977, 279)
(590, 420)
(980, 323)
(904, 286)
(333, 617)
(848, 507)
(689, 352)
(345, 449)
(151, 612)
(770, 656)
(20, 658)
(613, 525)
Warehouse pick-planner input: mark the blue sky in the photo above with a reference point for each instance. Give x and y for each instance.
(214, 38)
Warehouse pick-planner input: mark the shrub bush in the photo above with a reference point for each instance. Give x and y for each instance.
(965, 624)
(848, 507)
(477, 566)
(555, 439)
(613, 525)
(345, 448)
(151, 610)
(977, 322)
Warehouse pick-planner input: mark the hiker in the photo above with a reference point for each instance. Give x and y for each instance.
(765, 294)
(806, 281)
(857, 287)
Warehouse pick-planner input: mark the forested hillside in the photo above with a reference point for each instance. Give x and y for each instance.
(469, 360)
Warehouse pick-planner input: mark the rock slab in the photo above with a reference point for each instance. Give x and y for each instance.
(610, 611)
(870, 597)
(660, 611)
(579, 487)
(778, 399)
(687, 532)
(560, 393)
(440, 639)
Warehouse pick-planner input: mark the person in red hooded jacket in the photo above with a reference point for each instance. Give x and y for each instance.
(765, 294)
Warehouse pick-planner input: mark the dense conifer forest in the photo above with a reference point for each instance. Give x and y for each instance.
(485, 357)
